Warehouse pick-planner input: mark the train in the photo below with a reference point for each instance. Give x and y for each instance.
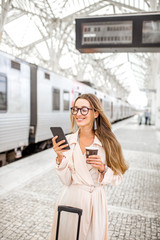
(32, 99)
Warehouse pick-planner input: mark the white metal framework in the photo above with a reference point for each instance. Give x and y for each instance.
(43, 32)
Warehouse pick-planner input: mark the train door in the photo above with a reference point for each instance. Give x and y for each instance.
(121, 110)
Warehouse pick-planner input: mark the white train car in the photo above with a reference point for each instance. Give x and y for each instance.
(51, 103)
(14, 103)
(79, 88)
(33, 99)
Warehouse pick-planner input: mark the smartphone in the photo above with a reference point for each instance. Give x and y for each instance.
(58, 131)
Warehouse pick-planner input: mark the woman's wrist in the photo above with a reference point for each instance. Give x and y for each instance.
(104, 170)
(59, 159)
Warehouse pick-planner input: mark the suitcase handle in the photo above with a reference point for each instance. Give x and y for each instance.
(69, 209)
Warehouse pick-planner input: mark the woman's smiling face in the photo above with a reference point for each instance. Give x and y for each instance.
(81, 120)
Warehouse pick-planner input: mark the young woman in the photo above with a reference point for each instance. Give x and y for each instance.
(85, 178)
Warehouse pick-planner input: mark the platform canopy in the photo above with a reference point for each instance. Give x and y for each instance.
(43, 32)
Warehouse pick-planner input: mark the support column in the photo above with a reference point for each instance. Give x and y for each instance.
(155, 81)
(157, 85)
(154, 85)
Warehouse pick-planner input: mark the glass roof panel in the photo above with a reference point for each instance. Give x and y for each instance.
(46, 29)
(22, 31)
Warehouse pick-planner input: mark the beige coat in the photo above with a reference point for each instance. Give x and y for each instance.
(83, 190)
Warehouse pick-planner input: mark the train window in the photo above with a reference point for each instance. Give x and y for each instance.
(65, 100)
(56, 99)
(3, 92)
(47, 76)
(15, 65)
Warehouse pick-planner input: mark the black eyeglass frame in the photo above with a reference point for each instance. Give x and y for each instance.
(77, 109)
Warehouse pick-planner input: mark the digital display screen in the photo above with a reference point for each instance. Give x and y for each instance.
(151, 32)
(110, 32)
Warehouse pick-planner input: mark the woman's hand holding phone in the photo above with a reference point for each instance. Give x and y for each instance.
(60, 143)
(59, 148)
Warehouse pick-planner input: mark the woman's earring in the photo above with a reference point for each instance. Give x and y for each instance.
(95, 124)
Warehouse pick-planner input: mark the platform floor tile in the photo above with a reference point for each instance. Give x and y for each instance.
(133, 206)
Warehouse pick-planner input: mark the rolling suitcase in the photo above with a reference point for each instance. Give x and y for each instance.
(72, 210)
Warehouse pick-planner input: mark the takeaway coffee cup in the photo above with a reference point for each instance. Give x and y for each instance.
(91, 151)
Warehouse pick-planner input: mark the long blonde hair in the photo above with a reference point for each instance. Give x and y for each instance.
(113, 151)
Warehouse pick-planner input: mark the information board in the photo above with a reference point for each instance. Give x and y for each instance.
(119, 33)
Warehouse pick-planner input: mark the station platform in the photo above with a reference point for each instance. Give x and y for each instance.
(30, 187)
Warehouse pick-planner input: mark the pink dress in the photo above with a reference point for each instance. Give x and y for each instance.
(84, 190)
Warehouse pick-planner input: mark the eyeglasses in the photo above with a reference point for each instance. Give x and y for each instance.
(84, 110)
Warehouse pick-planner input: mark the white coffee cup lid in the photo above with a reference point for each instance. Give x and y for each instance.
(91, 148)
